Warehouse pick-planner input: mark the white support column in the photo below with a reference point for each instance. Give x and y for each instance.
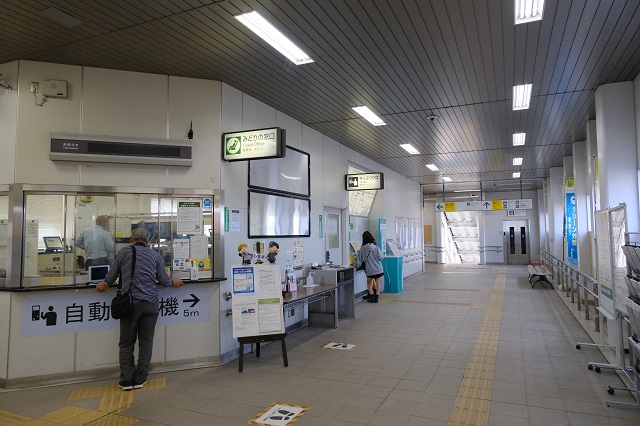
(592, 194)
(555, 211)
(580, 180)
(617, 149)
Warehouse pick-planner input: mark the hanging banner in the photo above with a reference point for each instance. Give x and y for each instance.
(571, 228)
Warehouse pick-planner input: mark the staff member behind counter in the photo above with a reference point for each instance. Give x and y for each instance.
(97, 243)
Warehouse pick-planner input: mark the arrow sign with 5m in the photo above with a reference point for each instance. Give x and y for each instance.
(193, 299)
(439, 207)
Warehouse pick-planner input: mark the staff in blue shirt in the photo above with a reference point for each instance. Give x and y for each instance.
(141, 323)
(97, 243)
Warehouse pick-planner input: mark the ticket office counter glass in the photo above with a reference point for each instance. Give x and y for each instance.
(4, 232)
(57, 223)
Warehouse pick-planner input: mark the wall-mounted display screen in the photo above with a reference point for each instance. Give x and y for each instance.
(289, 174)
(272, 215)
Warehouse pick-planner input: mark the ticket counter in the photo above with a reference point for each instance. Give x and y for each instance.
(54, 326)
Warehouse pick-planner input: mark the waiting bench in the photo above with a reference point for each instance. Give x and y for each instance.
(539, 273)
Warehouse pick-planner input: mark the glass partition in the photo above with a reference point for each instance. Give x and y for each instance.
(4, 233)
(67, 235)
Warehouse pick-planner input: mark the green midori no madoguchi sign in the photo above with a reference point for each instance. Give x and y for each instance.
(254, 144)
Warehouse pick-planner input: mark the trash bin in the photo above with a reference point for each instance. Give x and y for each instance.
(392, 266)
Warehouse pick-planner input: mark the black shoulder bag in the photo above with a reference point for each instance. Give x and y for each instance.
(122, 304)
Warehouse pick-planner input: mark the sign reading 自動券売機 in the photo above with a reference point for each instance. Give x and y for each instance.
(254, 144)
(364, 181)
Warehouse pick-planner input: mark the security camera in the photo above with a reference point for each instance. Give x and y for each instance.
(432, 117)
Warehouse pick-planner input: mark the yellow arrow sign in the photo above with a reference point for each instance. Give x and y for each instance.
(450, 206)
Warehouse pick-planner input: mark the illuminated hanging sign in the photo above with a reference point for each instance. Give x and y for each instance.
(254, 144)
(364, 181)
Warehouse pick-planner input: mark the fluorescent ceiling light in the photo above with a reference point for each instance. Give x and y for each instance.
(516, 174)
(446, 179)
(369, 116)
(521, 96)
(432, 167)
(517, 161)
(469, 190)
(256, 23)
(409, 148)
(528, 10)
(518, 139)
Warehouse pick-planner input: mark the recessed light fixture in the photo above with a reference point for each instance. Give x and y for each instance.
(517, 161)
(409, 148)
(518, 139)
(528, 10)
(368, 115)
(446, 179)
(516, 174)
(432, 167)
(256, 23)
(521, 96)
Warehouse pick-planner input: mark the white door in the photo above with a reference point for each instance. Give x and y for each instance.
(333, 235)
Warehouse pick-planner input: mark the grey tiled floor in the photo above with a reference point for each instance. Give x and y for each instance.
(411, 354)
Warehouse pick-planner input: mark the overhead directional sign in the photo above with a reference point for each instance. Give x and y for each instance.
(452, 206)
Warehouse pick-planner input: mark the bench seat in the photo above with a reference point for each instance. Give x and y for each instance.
(539, 273)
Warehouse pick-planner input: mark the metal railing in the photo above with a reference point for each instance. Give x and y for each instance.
(574, 282)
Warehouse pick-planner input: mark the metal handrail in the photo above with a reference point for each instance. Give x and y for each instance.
(572, 281)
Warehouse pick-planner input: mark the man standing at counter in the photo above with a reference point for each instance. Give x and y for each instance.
(97, 243)
(141, 323)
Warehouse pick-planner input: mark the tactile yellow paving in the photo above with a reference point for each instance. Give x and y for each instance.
(11, 419)
(472, 403)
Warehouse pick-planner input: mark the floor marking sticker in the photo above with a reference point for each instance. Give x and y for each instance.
(279, 414)
(339, 346)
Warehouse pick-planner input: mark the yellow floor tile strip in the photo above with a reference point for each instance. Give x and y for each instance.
(474, 396)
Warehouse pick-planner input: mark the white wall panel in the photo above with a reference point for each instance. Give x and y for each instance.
(123, 103)
(313, 143)
(195, 340)
(256, 114)
(8, 122)
(293, 128)
(98, 349)
(35, 356)
(234, 175)
(35, 123)
(197, 101)
(333, 174)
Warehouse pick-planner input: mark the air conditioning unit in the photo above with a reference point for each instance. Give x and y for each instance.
(114, 149)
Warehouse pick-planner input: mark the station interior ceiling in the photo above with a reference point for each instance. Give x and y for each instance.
(440, 73)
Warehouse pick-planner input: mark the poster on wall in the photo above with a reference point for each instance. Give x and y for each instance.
(189, 217)
(257, 300)
(298, 254)
(603, 238)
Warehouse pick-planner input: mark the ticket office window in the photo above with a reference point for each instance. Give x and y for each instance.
(48, 244)
(58, 226)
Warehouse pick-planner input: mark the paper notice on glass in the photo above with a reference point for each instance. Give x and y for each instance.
(198, 247)
(189, 217)
(123, 227)
(181, 254)
(235, 220)
(270, 316)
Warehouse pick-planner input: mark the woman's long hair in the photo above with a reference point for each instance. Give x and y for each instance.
(367, 238)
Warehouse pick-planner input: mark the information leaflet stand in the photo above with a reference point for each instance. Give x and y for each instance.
(257, 307)
(610, 228)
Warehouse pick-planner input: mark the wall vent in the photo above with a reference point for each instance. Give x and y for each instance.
(114, 149)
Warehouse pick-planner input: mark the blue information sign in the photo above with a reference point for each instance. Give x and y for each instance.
(571, 228)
